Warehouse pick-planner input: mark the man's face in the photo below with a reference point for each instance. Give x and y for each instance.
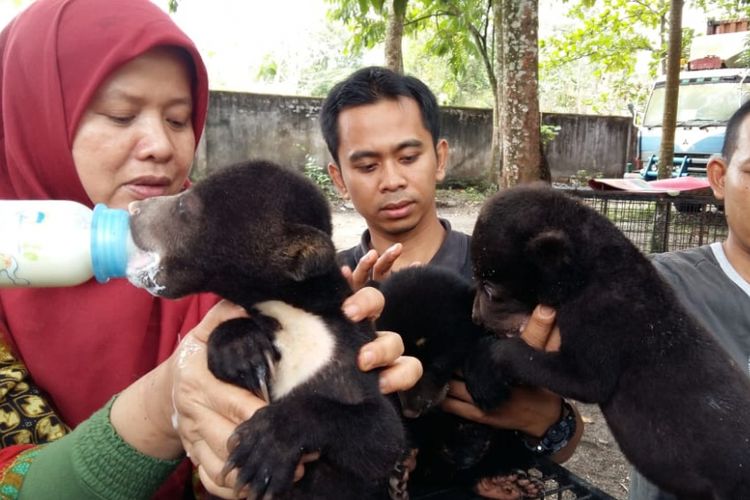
(732, 184)
(388, 164)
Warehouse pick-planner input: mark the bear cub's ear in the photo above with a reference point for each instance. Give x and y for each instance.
(306, 252)
(550, 250)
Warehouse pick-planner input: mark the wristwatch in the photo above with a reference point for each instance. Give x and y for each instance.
(557, 436)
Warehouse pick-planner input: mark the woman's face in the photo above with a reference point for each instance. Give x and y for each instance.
(135, 139)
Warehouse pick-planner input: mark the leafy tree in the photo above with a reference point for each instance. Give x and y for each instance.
(605, 43)
(458, 31)
(464, 32)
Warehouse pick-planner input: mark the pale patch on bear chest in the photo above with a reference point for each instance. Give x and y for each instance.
(304, 341)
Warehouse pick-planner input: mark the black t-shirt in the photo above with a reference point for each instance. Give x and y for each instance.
(453, 253)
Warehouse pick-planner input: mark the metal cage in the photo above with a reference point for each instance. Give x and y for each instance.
(658, 222)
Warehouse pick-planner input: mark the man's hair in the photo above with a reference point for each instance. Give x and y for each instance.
(733, 131)
(368, 86)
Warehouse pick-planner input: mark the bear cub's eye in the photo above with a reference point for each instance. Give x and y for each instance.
(187, 205)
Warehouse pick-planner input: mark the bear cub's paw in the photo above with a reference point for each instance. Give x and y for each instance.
(242, 351)
(265, 453)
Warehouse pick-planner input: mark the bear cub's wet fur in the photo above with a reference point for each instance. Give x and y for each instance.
(260, 235)
(676, 402)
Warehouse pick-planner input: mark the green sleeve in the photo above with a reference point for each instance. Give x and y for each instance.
(94, 462)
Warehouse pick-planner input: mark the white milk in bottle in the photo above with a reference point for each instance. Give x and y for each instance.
(46, 243)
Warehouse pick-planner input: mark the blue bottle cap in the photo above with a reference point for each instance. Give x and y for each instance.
(110, 230)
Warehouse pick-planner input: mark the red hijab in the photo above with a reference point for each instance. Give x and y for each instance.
(81, 344)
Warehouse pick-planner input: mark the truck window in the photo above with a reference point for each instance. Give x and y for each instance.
(698, 103)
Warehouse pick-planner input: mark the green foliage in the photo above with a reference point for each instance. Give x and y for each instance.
(608, 33)
(456, 34)
(591, 68)
(548, 133)
(574, 88)
(269, 69)
(173, 4)
(469, 88)
(365, 20)
(587, 66)
(744, 59)
(729, 8)
(319, 175)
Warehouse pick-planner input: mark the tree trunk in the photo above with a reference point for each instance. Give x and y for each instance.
(496, 152)
(394, 33)
(672, 88)
(521, 119)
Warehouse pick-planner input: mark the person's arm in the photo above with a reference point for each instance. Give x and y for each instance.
(129, 447)
(94, 461)
(529, 410)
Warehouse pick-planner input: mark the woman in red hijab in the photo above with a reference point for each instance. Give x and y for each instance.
(82, 345)
(105, 101)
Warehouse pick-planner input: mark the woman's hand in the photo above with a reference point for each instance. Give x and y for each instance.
(207, 410)
(180, 406)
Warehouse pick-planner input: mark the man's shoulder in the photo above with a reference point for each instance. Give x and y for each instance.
(350, 256)
(455, 252)
(684, 261)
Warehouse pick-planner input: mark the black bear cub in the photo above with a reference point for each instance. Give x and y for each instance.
(677, 404)
(260, 235)
(431, 308)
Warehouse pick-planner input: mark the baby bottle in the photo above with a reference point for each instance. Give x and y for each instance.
(46, 243)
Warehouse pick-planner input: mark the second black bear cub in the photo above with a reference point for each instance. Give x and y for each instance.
(260, 235)
(431, 308)
(677, 404)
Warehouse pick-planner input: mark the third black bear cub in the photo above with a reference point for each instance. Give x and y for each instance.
(260, 236)
(431, 308)
(676, 402)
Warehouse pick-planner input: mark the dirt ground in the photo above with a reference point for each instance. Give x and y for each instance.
(597, 459)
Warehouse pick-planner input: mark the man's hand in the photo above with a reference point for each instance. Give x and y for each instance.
(399, 372)
(372, 266)
(529, 410)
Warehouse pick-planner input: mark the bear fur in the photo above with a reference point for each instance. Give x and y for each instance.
(430, 307)
(677, 404)
(260, 235)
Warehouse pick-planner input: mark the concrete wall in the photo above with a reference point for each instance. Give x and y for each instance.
(285, 129)
(596, 144)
